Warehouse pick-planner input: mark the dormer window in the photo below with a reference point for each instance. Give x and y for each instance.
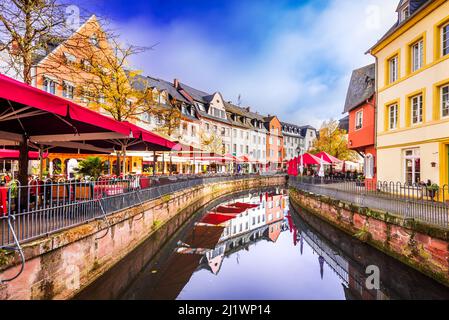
(405, 13)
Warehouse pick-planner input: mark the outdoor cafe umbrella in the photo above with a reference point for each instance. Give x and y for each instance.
(328, 158)
(301, 166)
(32, 117)
(321, 172)
(309, 159)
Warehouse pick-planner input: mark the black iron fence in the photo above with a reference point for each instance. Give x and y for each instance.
(45, 207)
(425, 203)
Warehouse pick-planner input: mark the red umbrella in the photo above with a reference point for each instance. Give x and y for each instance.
(14, 154)
(310, 159)
(327, 157)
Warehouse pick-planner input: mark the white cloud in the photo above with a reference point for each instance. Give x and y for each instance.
(300, 71)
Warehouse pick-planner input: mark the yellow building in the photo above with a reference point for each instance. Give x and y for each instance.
(413, 94)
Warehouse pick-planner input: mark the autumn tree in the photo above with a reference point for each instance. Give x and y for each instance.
(333, 140)
(211, 142)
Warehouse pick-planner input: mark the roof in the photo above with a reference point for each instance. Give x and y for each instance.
(416, 6)
(344, 124)
(285, 124)
(361, 87)
(305, 128)
(242, 112)
(159, 84)
(197, 95)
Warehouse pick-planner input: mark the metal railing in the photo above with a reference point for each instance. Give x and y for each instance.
(45, 207)
(418, 202)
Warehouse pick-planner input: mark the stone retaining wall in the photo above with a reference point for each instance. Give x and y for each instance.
(59, 266)
(423, 247)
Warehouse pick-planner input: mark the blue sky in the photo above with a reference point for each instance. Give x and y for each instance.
(284, 57)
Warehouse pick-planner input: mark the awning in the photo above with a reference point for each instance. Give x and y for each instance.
(216, 218)
(14, 154)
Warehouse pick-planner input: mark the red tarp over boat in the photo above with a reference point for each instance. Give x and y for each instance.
(223, 209)
(244, 205)
(217, 219)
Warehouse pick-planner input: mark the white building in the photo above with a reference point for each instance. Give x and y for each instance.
(310, 134)
(294, 142)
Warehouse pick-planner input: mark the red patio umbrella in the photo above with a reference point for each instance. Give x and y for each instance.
(328, 158)
(310, 159)
(14, 154)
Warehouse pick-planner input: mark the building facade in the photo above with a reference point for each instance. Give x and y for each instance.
(294, 142)
(413, 95)
(361, 107)
(310, 134)
(275, 143)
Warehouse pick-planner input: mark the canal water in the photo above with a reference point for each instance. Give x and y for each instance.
(255, 246)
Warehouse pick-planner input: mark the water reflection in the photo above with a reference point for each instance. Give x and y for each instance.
(255, 247)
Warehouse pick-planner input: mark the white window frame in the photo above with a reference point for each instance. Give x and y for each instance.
(417, 55)
(47, 85)
(416, 154)
(417, 102)
(444, 96)
(393, 69)
(396, 119)
(68, 94)
(359, 120)
(405, 13)
(445, 33)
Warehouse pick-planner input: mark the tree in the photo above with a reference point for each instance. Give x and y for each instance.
(91, 167)
(333, 140)
(25, 28)
(212, 142)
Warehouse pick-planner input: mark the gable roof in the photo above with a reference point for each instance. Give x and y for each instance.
(361, 87)
(416, 6)
(159, 84)
(343, 124)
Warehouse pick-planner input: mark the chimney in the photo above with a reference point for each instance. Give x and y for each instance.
(14, 48)
(248, 109)
(176, 83)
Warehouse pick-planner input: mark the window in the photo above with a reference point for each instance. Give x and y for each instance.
(445, 101)
(201, 106)
(49, 85)
(393, 113)
(67, 90)
(445, 39)
(369, 166)
(405, 13)
(94, 40)
(69, 58)
(417, 109)
(193, 131)
(359, 120)
(412, 166)
(417, 55)
(393, 69)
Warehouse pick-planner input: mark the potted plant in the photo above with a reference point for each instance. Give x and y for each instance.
(360, 181)
(432, 190)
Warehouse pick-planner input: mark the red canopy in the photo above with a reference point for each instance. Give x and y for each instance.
(26, 95)
(232, 210)
(310, 159)
(216, 218)
(328, 158)
(151, 137)
(14, 154)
